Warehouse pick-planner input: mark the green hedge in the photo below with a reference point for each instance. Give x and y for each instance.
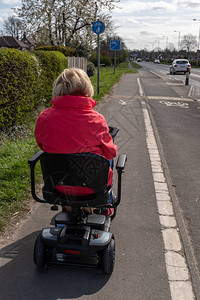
(20, 85)
(26, 80)
(90, 69)
(104, 59)
(52, 63)
(67, 51)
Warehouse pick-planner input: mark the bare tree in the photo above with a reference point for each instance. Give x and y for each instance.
(14, 26)
(188, 42)
(64, 20)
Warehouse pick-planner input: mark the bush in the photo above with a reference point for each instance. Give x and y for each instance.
(67, 51)
(25, 81)
(193, 63)
(52, 63)
(20, 85)
(104, 59)
(90, 69)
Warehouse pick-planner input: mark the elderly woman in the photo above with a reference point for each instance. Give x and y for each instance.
(71, 125)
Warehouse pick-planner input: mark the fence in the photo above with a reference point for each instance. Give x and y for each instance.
(77, 62)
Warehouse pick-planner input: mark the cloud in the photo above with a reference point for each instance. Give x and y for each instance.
(190, 4)
(130, 20)
(138, 6)
(145, 33)
(10, 2)
(7, 12)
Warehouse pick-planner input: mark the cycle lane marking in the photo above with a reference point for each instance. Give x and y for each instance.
(177, 270)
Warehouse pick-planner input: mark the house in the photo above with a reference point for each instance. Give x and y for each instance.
(28, 41)
(3, 42)
(12, 42)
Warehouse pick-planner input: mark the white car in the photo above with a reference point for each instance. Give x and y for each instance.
(156, 61)
(180, 65)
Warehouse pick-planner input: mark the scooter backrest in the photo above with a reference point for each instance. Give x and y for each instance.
(77, 169)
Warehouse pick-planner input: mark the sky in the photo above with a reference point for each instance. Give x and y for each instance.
(146, 23)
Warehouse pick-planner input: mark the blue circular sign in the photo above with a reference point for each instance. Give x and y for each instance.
(98, 27)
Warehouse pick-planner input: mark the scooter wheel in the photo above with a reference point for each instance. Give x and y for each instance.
(39, 253)
(108, 259)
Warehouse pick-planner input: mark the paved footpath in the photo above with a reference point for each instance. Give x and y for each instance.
(148, 264)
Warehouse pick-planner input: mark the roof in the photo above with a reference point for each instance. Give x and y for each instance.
(29, 39)
(3, 42)
(12, 41)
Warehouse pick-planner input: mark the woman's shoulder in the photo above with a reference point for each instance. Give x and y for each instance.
(45, 112)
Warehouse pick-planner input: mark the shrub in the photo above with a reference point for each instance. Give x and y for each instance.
(104, 59)
(20, 85)
(25, 81)
(67, 51)
(90, 69)
(52, 63)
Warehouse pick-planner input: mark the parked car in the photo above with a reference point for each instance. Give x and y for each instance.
(156, 61)
(180, 65)
(139, 60)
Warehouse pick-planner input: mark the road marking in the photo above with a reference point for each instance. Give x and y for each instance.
(191, 91)
(168, 98)
(140, 87)
(177, 270)
(157, 75)
(195, 75)
(179, 104)
(170, 83)
(122, 102)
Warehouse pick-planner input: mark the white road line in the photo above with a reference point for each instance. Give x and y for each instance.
(157, 74)
(177, 270)
(190, 91)
(140, 87)
(169, 98)
(195, 75)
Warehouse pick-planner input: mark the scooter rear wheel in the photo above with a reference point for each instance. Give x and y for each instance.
(39, 253)
(108, 259)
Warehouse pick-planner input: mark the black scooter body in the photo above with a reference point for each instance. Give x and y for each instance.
(77, 238)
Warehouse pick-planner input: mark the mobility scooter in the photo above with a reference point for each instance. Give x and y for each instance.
(78, 238)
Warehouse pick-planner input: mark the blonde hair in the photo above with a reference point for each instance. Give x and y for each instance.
(73, 81)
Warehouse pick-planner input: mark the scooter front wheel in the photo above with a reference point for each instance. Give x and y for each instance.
(39, 252)
(108, 259)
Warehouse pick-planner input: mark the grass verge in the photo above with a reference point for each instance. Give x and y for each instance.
(18, 145)
(108, 78)
(15, 176)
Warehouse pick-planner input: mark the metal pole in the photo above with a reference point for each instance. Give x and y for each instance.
(179, 40)
(197, 63)
(198, 49)
(98, 64)
(187, 77)
(114, 61)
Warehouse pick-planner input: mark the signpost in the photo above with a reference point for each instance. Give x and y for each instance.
(98, 27)
(115, 46)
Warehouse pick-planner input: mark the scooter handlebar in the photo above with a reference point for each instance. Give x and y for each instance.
(113, 131)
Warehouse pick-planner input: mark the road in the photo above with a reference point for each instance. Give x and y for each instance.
(157, 226)
(163, 71)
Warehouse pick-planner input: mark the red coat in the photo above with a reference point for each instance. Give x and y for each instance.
(71, 125)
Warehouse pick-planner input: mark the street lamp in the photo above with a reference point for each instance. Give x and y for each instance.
(197, 44)
(166, 40)
(178, 38)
